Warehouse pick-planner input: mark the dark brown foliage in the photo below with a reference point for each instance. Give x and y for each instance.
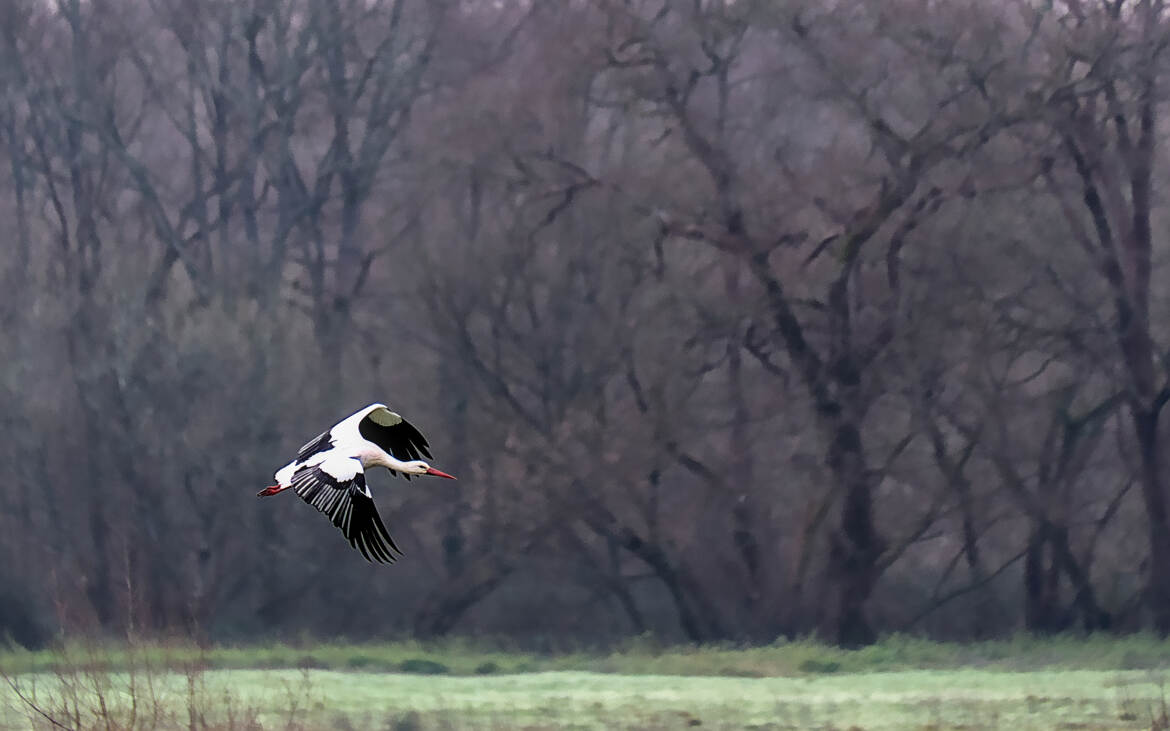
(736, 320)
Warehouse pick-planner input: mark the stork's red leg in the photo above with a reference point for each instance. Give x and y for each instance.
(271, 490)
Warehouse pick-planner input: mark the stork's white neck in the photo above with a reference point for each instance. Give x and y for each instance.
(414, 467)
(371, 455)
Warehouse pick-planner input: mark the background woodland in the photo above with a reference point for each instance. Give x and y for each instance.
(736, 319)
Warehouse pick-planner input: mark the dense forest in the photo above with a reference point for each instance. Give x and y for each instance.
(737, 319)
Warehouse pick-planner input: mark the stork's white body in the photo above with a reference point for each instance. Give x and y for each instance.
(347, 443)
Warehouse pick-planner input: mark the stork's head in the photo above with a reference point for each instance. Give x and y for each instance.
(418, 467)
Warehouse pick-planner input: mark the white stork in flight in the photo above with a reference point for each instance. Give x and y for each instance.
(329, 474)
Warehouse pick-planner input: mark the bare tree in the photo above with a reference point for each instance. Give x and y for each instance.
(1104, 107)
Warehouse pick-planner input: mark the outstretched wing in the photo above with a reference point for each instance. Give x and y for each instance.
(337, 487)
(394, 434)
(319, 443)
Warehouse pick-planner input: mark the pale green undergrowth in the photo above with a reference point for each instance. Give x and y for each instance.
(888, 700)
(639, 656)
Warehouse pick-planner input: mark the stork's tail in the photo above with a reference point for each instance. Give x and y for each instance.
(283, 480)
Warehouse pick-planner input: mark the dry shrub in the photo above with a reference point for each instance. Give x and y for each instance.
(87, 690)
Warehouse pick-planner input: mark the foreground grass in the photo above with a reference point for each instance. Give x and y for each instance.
(317, 699)
(639, 657)
(1024, 683)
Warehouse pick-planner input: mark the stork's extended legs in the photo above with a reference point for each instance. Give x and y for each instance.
(272, 490)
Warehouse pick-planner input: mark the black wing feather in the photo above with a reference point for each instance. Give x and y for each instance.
(402, 440)
(350, 508)
(319, 443)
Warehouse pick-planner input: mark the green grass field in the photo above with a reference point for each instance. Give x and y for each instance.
(1098, 683)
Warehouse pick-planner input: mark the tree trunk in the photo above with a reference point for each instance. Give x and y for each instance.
(743, 511)
(1041, 584)
(856, 547)
(1145, 423)
(839, 407)
(454, 538)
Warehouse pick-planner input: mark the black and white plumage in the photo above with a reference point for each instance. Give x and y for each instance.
(329, 474)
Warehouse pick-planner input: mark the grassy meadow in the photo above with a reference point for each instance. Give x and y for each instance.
(899, 683)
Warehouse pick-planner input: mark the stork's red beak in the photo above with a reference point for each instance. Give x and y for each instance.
(439, 473)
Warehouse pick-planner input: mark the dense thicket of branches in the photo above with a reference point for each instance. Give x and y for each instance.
(735, 319)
